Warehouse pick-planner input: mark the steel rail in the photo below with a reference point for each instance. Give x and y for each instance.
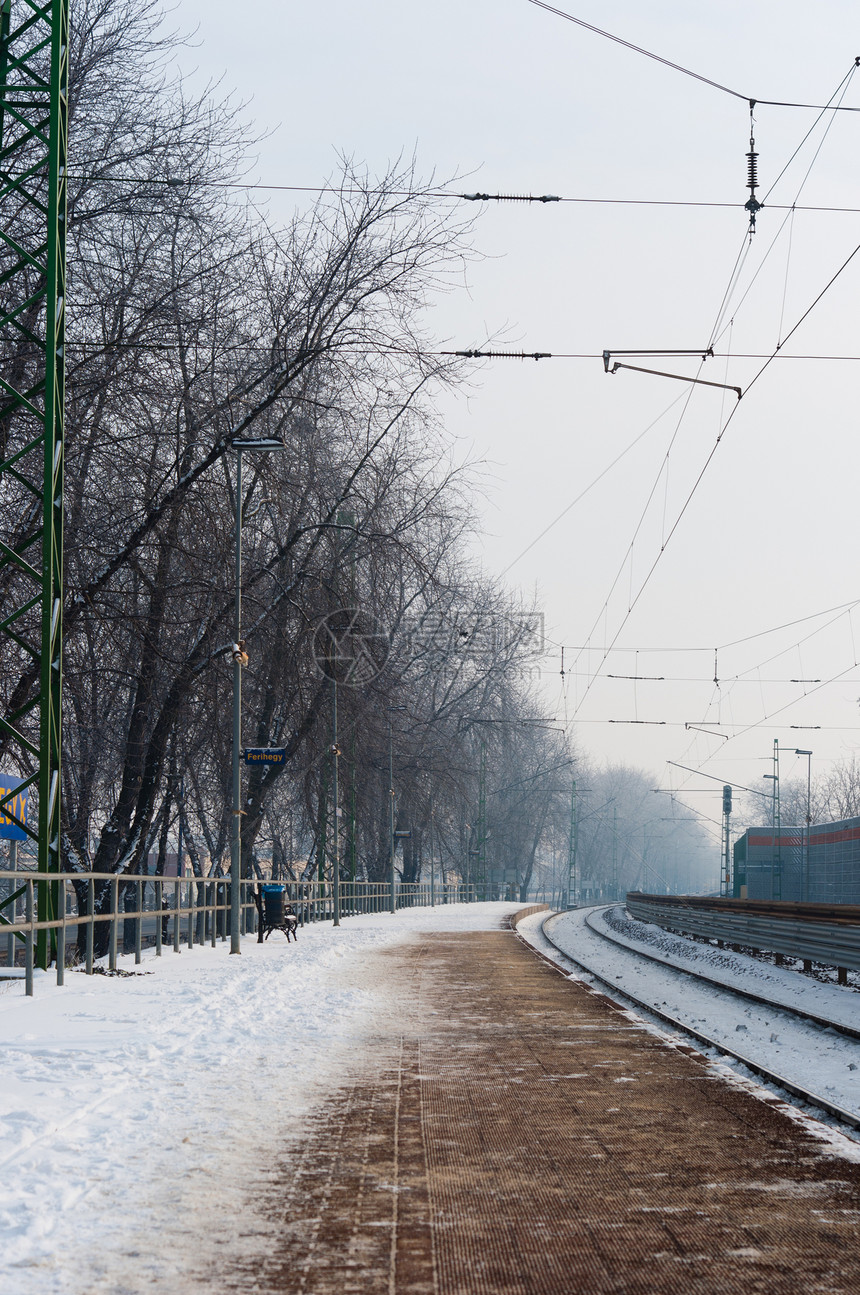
(823, 1021)
(849, 1118)
(804, 910)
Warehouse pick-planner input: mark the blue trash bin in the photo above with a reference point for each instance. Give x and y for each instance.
(274, 904)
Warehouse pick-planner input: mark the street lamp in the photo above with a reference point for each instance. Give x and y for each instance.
(808, 754)
(240, 659)
(391, 840)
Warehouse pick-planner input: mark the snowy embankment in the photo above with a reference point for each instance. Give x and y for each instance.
(815, 1058)
(135, 1111)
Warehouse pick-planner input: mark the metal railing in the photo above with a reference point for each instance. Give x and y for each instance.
(143, 911)
(814, 932)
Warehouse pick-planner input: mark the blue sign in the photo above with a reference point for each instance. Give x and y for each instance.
(16, 805)
(265, 754)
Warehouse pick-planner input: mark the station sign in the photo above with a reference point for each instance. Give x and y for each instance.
(17, 806)
(265, 754)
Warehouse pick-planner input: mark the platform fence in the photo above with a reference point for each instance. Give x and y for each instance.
(104, 914)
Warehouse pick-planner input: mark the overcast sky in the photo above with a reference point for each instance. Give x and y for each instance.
(523, 101)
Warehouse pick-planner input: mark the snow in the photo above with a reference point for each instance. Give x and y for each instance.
(133, 1109)
(781, 985)
(814, 1057)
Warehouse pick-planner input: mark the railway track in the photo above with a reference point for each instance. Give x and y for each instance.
(815, 1100)
(826, 1022)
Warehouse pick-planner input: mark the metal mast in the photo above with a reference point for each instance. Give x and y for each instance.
(34, 40)
(481, 878)
(776, 848)
(726, 878)
(335, 838)
(614, 851)
(571, 851)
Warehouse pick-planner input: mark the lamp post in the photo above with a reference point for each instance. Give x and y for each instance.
(335, 863)
(240, 659)
(391, 840)
(466, 870)
(808, 754)
(432, 866)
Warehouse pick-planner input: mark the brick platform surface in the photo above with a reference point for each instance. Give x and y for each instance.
(515, 1132)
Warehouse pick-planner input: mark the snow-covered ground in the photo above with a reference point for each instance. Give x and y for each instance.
(781, 985)
(133, 1109)
(816, 1058)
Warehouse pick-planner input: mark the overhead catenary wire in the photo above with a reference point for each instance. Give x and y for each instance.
(679, 67)
(594, 482)
(346, 191)
(381, 349)
(692, 679)
(843, 87)
(604, 611)
(739, 786)
(753, 726)
(682, 512)
(763, 723)
(732, 681)
(733, 278)
(747, 638)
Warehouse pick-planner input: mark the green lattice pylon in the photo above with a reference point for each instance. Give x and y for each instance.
(34, 41)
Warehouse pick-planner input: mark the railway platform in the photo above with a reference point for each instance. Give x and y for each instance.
(513, 1132)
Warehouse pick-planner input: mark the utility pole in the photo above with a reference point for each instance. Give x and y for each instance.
(467, 867)
(726, 886)
(322, 826)
(335, 853)
(345, 518)
(571, 851)
(352, 841)
(240, 660)
(614, 851)
(775, 844)
(777, 821)
(391, 838)
(432, 866)
(804, 870)
(482, 822)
